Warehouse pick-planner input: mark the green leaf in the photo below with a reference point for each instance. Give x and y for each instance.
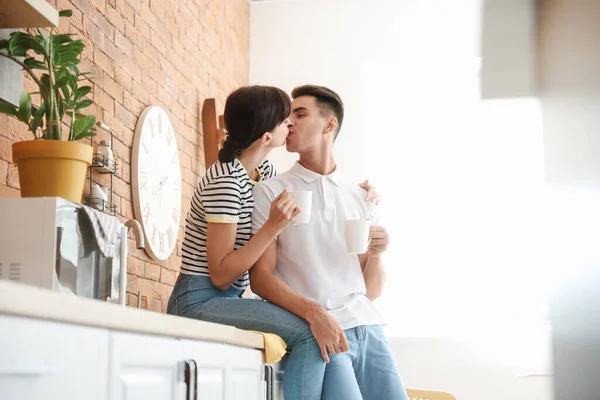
(82, 91)
(35, 64)
(76, 46)
(19, 51)
(84, 124)
(14, 40)
(63, 59)
(83, 104)
(58, 40)
(37, 121)
(32, 42)
(74, 68)
(7, 108)
(65, 13)
(83, 135)
(3, 44)
(45, 40)
(24, 113)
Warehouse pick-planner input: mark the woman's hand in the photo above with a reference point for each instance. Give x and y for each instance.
(283, 211)
(372, 195)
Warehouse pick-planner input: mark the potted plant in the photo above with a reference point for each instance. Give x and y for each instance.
(53, 163)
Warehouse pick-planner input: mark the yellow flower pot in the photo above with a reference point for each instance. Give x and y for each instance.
(49, 168)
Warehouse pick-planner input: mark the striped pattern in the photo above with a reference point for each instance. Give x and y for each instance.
(223, 195)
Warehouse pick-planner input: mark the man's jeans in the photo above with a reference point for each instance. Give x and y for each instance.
(367, 371)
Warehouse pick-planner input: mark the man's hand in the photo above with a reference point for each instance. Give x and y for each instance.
(328, 333)
(378, 240)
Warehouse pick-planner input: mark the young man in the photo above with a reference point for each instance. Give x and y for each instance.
(308, 269)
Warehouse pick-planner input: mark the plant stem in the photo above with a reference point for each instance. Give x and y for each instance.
(52, 118)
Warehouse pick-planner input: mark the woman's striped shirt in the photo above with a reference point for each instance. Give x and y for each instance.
(223, 195)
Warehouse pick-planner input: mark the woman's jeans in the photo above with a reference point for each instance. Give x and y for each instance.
(196, 297)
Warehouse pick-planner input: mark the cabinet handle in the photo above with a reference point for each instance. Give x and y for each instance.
(188, 373)
(269, 380)
(27, 371)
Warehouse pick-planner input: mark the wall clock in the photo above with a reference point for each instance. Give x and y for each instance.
(156, 182)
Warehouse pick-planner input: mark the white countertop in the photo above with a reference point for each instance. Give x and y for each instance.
(32, 302)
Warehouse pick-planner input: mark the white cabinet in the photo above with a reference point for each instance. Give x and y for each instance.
(57, 361)
(225, 372)
(50, 360)
(145, 367)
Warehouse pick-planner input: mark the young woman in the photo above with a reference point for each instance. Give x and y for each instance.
(217, 250)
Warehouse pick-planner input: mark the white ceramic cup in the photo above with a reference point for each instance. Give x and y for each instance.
(357, 235)
(303, 199)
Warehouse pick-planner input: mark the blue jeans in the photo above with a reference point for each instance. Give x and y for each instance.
(366, 371)
(196, 297)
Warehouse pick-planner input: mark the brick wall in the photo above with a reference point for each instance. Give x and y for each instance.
(170, 53)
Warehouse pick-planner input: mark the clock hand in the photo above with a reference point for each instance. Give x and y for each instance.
(160, 185)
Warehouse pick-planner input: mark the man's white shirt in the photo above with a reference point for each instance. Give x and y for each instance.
(313, 258)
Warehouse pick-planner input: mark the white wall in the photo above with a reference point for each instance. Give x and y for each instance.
(407, 72)
(333, 43)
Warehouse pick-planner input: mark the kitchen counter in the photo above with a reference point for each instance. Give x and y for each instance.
(32, 302)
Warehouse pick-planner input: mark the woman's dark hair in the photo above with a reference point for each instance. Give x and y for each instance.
(251, 111)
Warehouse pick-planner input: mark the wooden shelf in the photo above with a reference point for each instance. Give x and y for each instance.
(16, 14)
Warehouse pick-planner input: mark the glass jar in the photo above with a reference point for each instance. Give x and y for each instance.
(106, 152)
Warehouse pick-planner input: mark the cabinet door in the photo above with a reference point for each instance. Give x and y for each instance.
(51, 360)
(247, 373)
(145, 367)
(225, 372)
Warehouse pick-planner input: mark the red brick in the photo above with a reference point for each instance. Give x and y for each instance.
(100, 5)
(13, 177)
(116, 19)
(157, 10)
(16, 130)
(126, 176)
(126, 117)
(126, 10)
(148, 17)
(86, 6)
(104, 100)
(155, 304)
(122, 189)
(3, 172)
(6, 191)
(158, 43)
(149, 84)
(168, 277)
(113, 89)
(140, 93)
(174, 263)
(123, 78)
(135, 266)
(132, 69)
(134, 35)
(152, 272)
(121, 151)
(115, 53)
(123, 43)
(104, 25)
(142, 60)
(5, 144)
(132, 283)
(105, 63)
(131, 300)
(132, 104)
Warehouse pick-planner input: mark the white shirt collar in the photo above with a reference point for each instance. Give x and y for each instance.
(310, 176)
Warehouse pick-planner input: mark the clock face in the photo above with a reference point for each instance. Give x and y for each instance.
(156, 182)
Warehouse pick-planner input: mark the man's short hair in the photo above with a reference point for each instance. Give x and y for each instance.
(328, 101)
